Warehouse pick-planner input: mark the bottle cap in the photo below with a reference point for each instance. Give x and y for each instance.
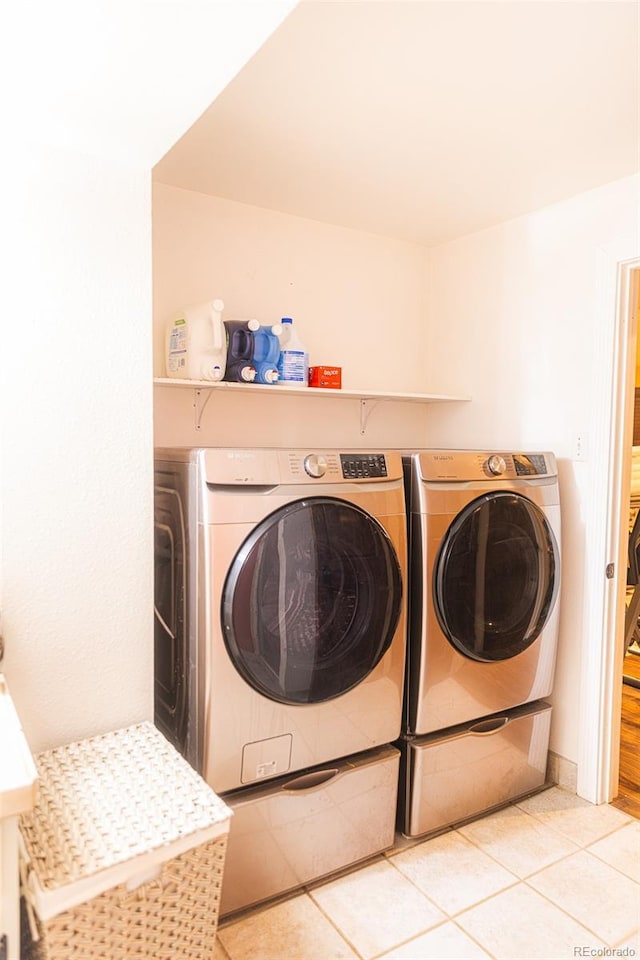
(286, 320)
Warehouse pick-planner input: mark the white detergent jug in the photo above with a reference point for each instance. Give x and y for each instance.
(196, 344)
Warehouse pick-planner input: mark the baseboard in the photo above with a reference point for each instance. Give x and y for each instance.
(562, 772)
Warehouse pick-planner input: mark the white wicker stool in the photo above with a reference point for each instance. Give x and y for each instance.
(123, 853)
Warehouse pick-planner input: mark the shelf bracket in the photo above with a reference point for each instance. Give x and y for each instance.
(199, 405)
(366, 406)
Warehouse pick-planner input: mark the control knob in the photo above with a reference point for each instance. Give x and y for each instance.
(496, 465)
(315, 465)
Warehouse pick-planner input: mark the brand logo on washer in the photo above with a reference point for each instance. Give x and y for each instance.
(443, 456)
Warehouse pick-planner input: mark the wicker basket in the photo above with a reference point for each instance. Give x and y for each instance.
(123, 853)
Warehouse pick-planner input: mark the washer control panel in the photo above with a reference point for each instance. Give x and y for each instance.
(367, 466)
(230, 466)
(333, 466)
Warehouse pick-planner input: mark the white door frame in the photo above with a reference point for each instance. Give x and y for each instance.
(601, 692)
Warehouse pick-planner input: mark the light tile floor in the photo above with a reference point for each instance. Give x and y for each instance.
(552, 877)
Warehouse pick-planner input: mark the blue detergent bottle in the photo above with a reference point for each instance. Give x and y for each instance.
(266, 353)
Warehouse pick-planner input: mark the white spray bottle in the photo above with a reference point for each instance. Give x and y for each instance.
(196, 344)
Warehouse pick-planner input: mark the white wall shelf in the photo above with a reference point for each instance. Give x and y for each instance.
(204, 389)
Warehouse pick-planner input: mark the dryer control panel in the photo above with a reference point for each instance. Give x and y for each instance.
(485, 465)
(530, 465)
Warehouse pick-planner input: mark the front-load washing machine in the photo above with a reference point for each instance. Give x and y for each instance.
(280, 624)
(484, 548)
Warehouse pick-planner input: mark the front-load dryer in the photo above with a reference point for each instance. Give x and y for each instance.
(484, 560)
(283, 608)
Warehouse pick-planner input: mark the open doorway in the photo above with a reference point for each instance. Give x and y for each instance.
(628, 797)
(618, 423)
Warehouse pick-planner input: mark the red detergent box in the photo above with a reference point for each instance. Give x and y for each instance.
(325, 377)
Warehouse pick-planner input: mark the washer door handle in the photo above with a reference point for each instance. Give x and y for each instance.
(487, 727)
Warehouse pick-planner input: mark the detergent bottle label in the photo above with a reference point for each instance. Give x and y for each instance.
(292, 367)
(177, 347)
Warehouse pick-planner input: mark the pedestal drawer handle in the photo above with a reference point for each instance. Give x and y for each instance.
(486, 727)
(311, 781)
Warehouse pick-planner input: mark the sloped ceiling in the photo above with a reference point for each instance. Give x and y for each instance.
(423, 120)
(100, 76)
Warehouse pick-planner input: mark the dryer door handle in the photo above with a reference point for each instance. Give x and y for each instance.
(311, 781)
(487, 727)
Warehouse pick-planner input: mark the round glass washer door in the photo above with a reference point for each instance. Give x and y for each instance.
(311, 601)
(496, 577)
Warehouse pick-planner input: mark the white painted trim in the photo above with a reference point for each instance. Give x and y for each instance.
(598, 749)
(618, 514)
(597, 588)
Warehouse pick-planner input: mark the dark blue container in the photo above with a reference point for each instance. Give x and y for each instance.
(240, 350)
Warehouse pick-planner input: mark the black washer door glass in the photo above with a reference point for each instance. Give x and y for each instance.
(496, 577)
(311, 601)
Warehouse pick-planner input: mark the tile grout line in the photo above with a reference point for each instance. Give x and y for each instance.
(333, 924)
(554, 903)
(492, 857)
(446, 918)
(613, 866)
(458, 913)
(441, 923)
(567, 914)
(473, 939)
(567, 856)
(452, 917)
(551, 826)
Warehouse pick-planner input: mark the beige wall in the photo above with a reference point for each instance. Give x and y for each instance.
(76, 445)
(98, 103)
(352, 294)
(358, 300)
